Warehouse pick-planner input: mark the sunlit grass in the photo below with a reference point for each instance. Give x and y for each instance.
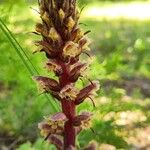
(110, 10)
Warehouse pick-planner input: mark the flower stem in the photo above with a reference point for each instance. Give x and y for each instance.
(69, 137)
(68, 108)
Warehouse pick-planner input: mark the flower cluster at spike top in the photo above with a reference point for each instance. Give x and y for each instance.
(63, 42)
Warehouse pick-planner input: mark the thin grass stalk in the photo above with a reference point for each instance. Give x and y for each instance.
(17, 50)
(20, 47)
(32, 70)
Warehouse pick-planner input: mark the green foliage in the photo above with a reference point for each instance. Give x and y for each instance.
(38, 145)
(85, 2)
(13, 85)
(123, 45)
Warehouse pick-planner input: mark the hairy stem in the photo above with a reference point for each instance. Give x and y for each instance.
(68, 108)
(69, 137)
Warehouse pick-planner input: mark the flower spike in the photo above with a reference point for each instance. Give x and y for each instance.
(63, 42)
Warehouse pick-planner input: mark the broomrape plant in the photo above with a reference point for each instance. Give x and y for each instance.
(63, 42)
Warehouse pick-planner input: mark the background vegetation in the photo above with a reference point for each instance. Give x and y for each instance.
(121, 63)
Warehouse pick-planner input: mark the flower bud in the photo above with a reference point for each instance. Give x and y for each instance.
(61, 14)
(52, 2)
(70, 24)
(53, 34)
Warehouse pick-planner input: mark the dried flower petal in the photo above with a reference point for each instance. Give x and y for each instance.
(83, 120)
(45, 17)
(77, 70)
(53, 34)
(70, 23)
(47, 84)
(87, 91)
(58, 117)
(76, 35)
(57, 141)
(71, 49)
(52, 125)
(84, 44)
(52, 65)
(39, 28)
(48, 49)
(69, 92)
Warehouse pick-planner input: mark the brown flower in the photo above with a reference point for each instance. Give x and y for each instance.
(52, 125)
(90, 90)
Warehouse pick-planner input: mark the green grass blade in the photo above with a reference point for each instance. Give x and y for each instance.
(18, 47)
(18, 52)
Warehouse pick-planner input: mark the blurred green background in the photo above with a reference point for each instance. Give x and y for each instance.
(120, 59)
